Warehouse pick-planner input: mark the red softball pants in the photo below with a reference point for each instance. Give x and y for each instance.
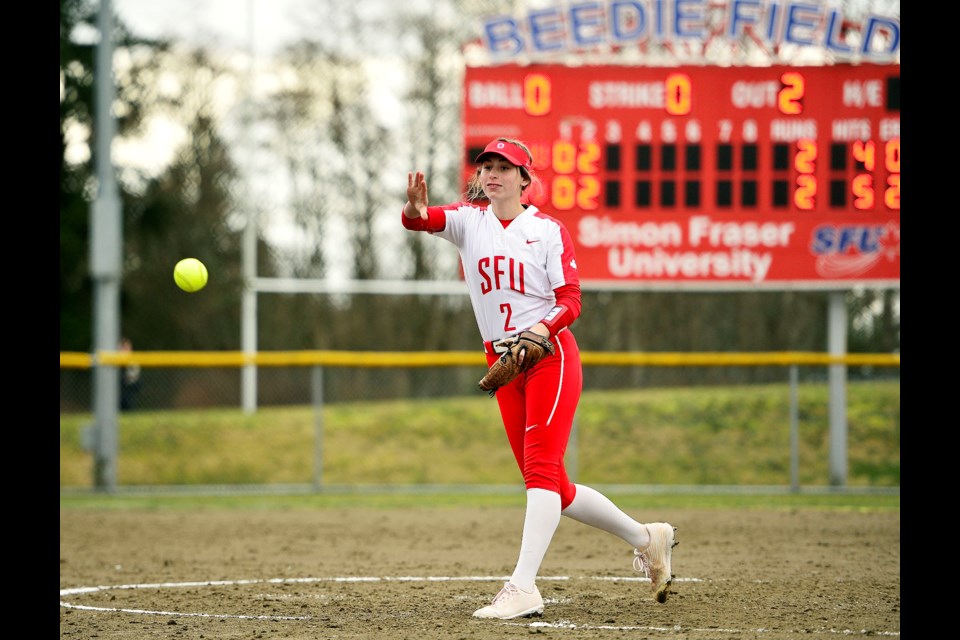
(537, 409)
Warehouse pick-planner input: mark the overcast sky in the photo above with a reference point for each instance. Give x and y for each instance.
(227, 20)
(267, 24)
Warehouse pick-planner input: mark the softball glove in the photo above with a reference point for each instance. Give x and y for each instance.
(523, 351)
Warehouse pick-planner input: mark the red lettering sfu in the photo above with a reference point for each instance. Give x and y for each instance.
(500, 272)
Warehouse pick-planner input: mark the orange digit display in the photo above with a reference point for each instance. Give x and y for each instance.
(804, 196)
(588, 160)
(790, 97)
(537, 99)
(891, 156)
(679, 94)
(806, 158)
(588, 197)
(865, 153)
(891, 197)
(563, 193)
(564, 157)
(863, 195)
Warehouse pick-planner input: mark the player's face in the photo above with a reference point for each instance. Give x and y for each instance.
(500, 178)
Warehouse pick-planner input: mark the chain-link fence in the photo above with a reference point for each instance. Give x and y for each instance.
(171, 387)
(366, 424)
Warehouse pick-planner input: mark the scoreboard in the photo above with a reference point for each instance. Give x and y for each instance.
(707, 177)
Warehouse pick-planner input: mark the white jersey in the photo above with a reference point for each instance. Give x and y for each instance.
(510, 273)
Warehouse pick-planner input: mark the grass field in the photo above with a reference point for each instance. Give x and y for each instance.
(660, 437)
(458, 499)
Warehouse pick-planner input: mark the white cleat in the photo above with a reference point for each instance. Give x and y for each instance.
(655, 560)
(512, 602)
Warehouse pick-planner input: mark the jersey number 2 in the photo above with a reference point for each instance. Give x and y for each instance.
(508, 313)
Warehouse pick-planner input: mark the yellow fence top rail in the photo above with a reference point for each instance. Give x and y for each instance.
(80, 360)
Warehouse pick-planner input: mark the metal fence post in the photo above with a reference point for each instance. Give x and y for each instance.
(794, 431)
(316, 388)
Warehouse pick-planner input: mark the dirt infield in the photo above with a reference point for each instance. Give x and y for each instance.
(419, 574)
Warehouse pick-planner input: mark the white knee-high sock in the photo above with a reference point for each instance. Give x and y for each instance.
(539, 524)
(595, 509)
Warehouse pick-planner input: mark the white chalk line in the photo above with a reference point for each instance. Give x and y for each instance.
(228, 583)
(564, 624)
(560, 624)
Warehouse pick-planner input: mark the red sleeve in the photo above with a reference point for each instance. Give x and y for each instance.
(437, 220)
(566, 310)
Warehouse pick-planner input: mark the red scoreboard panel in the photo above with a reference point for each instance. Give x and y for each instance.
(708, 177)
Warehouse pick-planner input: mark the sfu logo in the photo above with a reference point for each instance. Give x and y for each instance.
(500, 272)
(851, 250)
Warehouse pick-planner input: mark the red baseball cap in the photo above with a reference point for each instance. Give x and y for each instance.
(508, 150)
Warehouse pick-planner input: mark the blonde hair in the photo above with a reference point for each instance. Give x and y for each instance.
(474, 190)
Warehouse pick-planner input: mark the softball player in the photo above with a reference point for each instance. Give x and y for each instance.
(521, 272)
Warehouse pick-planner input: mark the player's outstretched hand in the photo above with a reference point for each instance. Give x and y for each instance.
(417, 193)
